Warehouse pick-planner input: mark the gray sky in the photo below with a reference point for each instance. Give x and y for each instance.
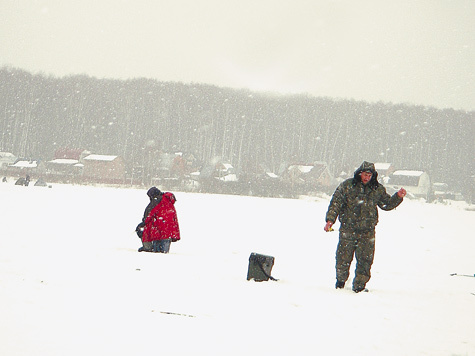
(415, 52)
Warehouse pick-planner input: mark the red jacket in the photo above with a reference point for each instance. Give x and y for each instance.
(162, 222)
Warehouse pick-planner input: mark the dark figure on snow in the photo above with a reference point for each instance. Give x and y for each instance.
(23, 181)
(355, 203)
(159, 226)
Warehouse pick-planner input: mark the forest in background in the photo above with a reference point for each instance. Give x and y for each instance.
(138, 118)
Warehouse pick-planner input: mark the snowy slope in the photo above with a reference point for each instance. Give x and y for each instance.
(73, 283)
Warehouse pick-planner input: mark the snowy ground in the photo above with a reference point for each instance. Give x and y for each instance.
(73, 283)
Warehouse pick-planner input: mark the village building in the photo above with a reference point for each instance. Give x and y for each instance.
(313, 176)
(64, 170)
(384, 170)
(417, 183)
(103, 169)
(225, 172)
(6, 159)
(70, 153)
(23, 167)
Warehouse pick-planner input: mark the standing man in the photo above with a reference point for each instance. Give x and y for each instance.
(355, 203)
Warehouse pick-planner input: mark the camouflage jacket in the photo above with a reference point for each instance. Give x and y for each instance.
(356, 205)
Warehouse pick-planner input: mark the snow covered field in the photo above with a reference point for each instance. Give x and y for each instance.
(73, 283)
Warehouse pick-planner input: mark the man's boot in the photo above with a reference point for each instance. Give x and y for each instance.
(339, 284)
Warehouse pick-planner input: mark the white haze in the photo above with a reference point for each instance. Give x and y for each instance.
(418, 52)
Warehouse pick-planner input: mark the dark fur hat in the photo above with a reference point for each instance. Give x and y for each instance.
(154, 192)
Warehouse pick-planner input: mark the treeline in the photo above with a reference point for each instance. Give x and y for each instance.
(140, 117)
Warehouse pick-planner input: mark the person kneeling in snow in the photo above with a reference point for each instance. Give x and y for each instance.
(159, 226)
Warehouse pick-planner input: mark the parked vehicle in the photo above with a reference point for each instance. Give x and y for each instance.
(441, 191)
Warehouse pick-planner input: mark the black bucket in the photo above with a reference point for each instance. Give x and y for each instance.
(260, 267)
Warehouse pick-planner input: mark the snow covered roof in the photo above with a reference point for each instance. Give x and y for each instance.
(99, 158)
(302, 168)
(64, 161)
(70, 153)
(229, 178)
(6, 155)
(382, 166)
(320, 163)
(25, 164)
(408, 173)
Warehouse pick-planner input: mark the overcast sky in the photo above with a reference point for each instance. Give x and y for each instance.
(415, 52)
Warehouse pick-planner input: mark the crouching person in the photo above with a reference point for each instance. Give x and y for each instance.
(159, 226)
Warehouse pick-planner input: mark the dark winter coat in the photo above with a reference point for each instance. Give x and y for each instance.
(160, 219)
(356, 204)
(155, 196)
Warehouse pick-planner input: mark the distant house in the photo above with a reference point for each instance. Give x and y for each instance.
(63, 169)
(173, 165)
(316, 174)
(298, 173)
(225, 172)
(322, 173)
(70, 153)
(179, 166)
(384, 169)
(26, 167)
(6, 158)
(103, 168)
(417, 183)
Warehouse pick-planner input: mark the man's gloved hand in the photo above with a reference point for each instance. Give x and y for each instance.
(328, 226)
(401, 193)
(139, 229)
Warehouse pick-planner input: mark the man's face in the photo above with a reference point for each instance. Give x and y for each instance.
(366, 177)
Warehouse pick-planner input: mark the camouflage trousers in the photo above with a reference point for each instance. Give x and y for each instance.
(361, 245)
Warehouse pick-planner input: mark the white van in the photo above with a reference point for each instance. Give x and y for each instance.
(417, 183)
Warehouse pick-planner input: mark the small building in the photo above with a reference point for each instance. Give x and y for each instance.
(225, 172)
(416, 183)
(384, 169)
(322, 173)
(103, 168)
(298, 173)
(316, 174)
(70, 153)
(63, 169)
(24, 167)
(6, 159)
(178, 166)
